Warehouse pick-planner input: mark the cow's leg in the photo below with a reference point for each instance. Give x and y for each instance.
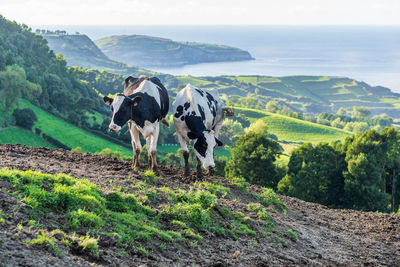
(148, 145)
(136, 145)
(185, 152)
(217, 128)
(153, 147)
(210, 171)
(198, 167)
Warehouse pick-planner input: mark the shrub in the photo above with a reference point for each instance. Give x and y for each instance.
(25, 118)
(253, 159)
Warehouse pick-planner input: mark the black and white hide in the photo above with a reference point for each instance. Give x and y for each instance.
(198, 117)
(143, 110)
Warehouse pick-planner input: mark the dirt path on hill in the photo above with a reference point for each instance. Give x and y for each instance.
(325, 236)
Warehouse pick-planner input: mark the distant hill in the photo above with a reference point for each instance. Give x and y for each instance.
(147, 51)
(80, 50)
(307, 94)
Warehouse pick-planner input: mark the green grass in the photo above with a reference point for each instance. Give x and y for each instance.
(318, 79)
(294, 130)
(78, 206)
(195, 81)
(17, 135)
(248, 79)
(69, 134)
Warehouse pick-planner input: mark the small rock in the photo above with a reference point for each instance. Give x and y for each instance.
(236, 254)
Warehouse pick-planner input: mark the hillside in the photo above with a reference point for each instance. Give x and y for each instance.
(289, 129)
(307, 94)
(80, 50)
(147, 51)
(236, 224)
(69, 134)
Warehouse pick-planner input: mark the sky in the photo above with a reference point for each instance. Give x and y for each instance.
(134, 12)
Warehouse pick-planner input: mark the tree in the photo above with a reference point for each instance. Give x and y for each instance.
(272, 107)
(259, 126)
(342, 112)
(365, 185)
(356, 127)
(220, 165)
(230, 132)
(361, 112)
(25, 117)
(315, 174)
(253, 158)
(392, 138)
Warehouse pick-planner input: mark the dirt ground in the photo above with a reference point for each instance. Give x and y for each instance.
(325, 236)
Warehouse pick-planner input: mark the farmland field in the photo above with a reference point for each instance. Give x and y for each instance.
(16, 135)
(69, 134)
(294, 130)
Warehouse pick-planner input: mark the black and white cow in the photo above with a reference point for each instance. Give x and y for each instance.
(198, 117)
(146, 105)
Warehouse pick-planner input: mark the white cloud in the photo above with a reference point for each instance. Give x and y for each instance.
(122, 12)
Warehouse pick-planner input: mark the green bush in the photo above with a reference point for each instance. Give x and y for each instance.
(25, 118)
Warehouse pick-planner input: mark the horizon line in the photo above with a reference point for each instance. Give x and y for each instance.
(167, 25)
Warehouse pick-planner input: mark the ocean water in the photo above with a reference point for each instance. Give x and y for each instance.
(365, 53)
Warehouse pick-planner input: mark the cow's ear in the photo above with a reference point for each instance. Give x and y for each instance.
(108, 100)
(219, 143)
(136, 101)
(191, 135)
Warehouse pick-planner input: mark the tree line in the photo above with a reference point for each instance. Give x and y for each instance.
(360, 173)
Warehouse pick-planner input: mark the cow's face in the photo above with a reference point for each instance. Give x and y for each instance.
(122, 110)
(204, 148)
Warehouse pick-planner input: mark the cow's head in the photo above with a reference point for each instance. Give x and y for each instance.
(204, 144)
(122, 108)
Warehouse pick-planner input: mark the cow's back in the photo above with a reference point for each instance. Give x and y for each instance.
(153, 87)
(164, 99)
(205, 104)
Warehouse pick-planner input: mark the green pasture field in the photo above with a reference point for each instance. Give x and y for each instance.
(17, 135)
(289, 129)
(69, 134)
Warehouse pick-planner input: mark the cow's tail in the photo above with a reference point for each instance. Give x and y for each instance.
(229, 112)
(165, 122)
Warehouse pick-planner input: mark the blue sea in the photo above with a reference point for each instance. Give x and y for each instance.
(365, 53)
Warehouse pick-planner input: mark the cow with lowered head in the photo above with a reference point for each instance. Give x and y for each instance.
(143, 105)
(198, 117)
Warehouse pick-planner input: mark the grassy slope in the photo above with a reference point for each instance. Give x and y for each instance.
(16, 135)
(81, 51)
(145, 215)
(295, 130)
(69, 134)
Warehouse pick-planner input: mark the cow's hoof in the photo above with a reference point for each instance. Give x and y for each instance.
(136, 166)
(200, 175)
(210, 172)
(155, 170)
(186, 173)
